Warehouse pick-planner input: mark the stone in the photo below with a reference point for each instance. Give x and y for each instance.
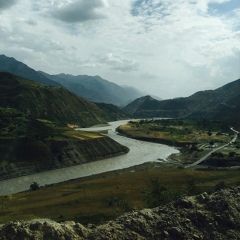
(172, 221)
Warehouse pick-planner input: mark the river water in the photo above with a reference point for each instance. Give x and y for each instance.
(140, 152)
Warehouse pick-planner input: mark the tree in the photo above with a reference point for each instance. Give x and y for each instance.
(192, 188)
(232, 154)
(34, 186)
(156, 194)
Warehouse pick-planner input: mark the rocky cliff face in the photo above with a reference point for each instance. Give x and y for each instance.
(215, 216)
(29, 156)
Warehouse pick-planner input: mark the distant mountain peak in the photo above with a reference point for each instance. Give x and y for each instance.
(10, 64)
(97, 89)
(148, 97)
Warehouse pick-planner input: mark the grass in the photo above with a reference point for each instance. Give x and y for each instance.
(181, 134)
(103, 197)
(194, 136)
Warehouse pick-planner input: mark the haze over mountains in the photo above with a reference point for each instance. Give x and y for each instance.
(92, 88)
(223, 103)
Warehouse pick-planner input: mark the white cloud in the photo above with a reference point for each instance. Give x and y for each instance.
(169, 48)
(119, 63)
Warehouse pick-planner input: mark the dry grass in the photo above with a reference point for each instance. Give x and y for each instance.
(93, 200)
(82, 135)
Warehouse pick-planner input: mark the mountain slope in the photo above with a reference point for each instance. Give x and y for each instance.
(33, 137)
(223, 102)
(92, 88)
(96, 89)
(52, 103)
(13, 66)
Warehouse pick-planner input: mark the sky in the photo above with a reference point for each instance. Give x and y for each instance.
(167, 48)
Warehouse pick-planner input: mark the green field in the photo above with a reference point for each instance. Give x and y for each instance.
(195, 137)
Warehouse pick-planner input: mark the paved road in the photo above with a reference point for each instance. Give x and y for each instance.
(214, 150)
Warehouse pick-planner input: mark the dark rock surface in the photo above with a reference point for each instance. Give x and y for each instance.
(215, 216)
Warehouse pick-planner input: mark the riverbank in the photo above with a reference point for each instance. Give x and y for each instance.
(196, 143)
(95, 199)
(140, 152)
(56, 154)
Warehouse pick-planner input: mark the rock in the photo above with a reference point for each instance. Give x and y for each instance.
(202, 197)
(175, 232)
(196, 237)
(184, 203)
(216, 217)
(165, 233)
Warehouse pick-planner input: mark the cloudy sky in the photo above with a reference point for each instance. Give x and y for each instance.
(169, 48)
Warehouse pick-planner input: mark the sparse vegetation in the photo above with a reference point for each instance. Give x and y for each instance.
(156, 194)
(191, 185)
(100, 198)
(34, 186)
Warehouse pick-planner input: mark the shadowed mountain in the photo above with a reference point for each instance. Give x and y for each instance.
(97, 89)
(13, 66)
(45, 102)
(223, 103)
(33, 132)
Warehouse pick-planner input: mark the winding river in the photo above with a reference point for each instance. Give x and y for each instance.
(140, 152)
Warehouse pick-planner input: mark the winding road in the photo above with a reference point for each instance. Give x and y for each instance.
(214, 150)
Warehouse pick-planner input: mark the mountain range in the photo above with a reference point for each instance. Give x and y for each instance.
(92, 88)
(13, 66)
(51, 102)
(97, 89)
(221, 103)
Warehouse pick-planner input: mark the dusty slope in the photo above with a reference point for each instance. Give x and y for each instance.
(215, 216)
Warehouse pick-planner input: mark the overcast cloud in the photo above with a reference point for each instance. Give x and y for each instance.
(80, 11)
(4, 4)
(167, 48)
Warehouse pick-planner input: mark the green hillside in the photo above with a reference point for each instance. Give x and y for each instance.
(46, 102)
(221, 103)
(29, 145)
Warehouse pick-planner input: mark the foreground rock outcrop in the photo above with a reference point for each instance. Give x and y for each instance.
(215, 216)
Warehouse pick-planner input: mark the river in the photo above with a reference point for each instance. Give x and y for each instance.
(140, 152)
